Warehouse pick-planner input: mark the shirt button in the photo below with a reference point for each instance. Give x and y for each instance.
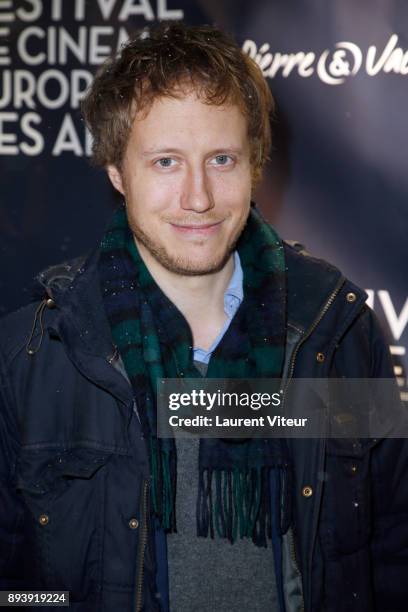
(320, 357)
(44, 519)
(133, 523)
(307, 491)
(353, 469)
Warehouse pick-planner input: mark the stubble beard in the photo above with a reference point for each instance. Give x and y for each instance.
(180, 265)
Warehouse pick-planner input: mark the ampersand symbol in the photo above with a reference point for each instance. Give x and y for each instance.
(339, 66)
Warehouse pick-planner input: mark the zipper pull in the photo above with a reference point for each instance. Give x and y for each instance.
(30, 349)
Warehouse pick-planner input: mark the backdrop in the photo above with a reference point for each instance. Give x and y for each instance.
(338, 179)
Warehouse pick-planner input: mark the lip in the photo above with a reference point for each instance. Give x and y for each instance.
(205, 229)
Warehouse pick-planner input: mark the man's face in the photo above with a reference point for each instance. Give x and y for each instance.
(186, 178)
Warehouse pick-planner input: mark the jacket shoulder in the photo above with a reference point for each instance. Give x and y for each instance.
(300, 262)
(313, 284)
(16, 326)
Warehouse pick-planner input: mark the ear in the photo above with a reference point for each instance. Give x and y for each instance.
(116, 178)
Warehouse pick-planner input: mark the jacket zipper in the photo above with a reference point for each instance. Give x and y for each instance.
(307, 334)
(295, 562)
(142, 548)
(312, 328)
(292, 550)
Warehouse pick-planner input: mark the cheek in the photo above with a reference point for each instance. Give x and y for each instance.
(235, 192)
(161, 188)
(146, 198)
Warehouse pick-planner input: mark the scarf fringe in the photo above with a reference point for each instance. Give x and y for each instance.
(163, 484)
(235, 503)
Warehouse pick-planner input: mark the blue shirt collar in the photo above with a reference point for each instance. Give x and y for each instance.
(234, 293)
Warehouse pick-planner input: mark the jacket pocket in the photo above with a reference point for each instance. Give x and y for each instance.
(346, 511)
(64, 497)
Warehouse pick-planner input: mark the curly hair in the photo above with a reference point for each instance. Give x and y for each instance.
(162, 61)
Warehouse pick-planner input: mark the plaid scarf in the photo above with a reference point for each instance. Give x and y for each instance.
(155, 341)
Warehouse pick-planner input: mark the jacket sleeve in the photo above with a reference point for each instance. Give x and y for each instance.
(389, 494)
(11, 507)
(363, 352)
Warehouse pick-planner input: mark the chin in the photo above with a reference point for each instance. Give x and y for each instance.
(184, 259)
(190, 269)
(194, 266)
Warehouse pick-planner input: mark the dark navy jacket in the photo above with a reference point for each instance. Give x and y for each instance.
(74, 466)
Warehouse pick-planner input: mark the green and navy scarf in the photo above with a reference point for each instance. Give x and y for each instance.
(155, 341)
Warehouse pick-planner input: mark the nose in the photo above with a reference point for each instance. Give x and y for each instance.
(197, 194)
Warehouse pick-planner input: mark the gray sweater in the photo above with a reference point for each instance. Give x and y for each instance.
(213, 575)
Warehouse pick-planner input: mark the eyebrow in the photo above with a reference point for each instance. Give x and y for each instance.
(169, 150)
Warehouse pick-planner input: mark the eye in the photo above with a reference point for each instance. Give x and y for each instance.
(164, 162)
(223, 160)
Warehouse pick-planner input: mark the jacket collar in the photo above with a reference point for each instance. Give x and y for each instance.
(75, 289)
(312, 285)
(80, 321)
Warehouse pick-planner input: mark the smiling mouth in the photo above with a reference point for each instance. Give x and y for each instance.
(195, 225)
(200, 228)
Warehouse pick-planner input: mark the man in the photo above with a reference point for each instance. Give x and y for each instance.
(190, 281)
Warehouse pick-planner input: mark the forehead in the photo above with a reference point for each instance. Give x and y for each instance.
(188, 120)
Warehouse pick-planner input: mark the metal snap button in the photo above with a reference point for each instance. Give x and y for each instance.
(320, 357)
(353, 469)
(307, 491)
(133, 523)
(44, 519)
(50, 303)
(351, 297)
